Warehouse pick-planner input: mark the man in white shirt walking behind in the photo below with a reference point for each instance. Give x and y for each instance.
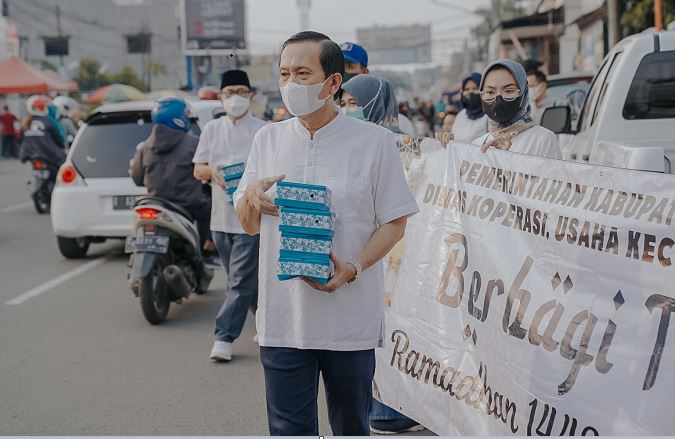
(223, 142)
(307, 329)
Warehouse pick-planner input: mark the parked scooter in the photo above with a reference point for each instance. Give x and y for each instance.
(166, 262)
(44, 178)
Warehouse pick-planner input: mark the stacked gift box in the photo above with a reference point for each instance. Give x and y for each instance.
(232, 175)
(306, 224)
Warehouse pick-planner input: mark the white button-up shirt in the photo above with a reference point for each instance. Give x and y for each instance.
(225, 143)
(359, 162)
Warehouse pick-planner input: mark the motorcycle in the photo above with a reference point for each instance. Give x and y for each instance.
(166, 262)
(44, 179)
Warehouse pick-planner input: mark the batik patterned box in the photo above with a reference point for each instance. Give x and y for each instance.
(232, 183)
(231, 170)
(318, 271)
(303, 196)
(306, 222)
(305, 244)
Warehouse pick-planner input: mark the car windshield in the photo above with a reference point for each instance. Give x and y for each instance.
(652, 92)
(557, 93)
(108, 142)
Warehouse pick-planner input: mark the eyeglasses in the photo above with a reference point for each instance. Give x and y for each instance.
(229, 93)
(510, 94)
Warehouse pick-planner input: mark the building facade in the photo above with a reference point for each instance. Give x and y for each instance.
(106, 31)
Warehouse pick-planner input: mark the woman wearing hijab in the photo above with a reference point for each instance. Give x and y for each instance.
(373, 100)
(505, 100)
(471, 122)
(52, 111)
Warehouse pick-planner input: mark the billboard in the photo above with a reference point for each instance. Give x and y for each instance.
(396, 44)
(212, 27)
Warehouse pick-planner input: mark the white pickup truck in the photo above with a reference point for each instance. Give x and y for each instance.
(628, 118)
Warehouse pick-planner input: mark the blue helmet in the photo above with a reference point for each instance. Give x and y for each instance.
(171, 112)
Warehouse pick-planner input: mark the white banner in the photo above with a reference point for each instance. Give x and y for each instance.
(531, 297)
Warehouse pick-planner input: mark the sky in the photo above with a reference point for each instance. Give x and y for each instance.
(270, 22)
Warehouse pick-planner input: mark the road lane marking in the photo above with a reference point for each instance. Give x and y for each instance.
(65, 277)
(15, 207)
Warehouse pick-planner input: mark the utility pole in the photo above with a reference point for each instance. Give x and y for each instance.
(58, 29)
(612, 23)
(658, 16)
(303, 8)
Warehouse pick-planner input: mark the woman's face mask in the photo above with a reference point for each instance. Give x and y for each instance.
(355, 112)
(471, 100)
(363, 112)
(500, 110)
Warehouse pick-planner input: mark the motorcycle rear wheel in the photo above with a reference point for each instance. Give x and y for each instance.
(42, 199)
(154, 294)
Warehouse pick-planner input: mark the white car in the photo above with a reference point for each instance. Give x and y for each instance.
(94, 195)
(628, 116)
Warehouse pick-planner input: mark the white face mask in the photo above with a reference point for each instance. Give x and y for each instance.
(236, 105)
(535, 92)
(300, 99)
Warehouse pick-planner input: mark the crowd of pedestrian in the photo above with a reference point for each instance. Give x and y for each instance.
(342, 136)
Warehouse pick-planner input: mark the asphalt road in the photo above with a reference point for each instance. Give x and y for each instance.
(79, 359)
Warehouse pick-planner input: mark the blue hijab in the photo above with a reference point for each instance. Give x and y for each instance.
(518, 73)
(472, 113)
(377, 98)
(52, 111)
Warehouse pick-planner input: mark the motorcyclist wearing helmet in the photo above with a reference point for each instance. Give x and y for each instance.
(41, 139)
(65, 107)
(163, 164)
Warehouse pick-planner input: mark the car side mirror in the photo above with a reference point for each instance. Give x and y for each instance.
(557, 119)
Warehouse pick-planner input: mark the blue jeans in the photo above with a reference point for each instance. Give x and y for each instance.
(292, 386)
(382, 412)
(239, 253)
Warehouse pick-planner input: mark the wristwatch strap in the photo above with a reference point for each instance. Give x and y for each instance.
(359, 270)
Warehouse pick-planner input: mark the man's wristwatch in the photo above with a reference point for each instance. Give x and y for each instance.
(358, 269)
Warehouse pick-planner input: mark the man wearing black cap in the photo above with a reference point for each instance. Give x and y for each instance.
(223, 142)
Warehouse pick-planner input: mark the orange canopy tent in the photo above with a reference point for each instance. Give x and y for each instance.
(17, 76)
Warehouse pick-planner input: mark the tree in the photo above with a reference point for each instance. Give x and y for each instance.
(129, 76)
(46, 65)
(89, 76)
(639, 15)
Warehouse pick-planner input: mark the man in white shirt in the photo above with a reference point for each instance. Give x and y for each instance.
(223, 142)
(305, 328)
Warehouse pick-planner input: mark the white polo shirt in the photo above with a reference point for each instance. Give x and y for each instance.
(359, 162)
(226, 143)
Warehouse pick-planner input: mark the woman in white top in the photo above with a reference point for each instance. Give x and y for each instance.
(471, 122)
(505, 100)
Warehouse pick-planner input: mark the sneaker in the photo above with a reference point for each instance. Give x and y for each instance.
(394, 426)
(211, 261)
(222, 351)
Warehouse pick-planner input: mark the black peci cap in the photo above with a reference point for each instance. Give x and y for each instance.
(234, 77)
